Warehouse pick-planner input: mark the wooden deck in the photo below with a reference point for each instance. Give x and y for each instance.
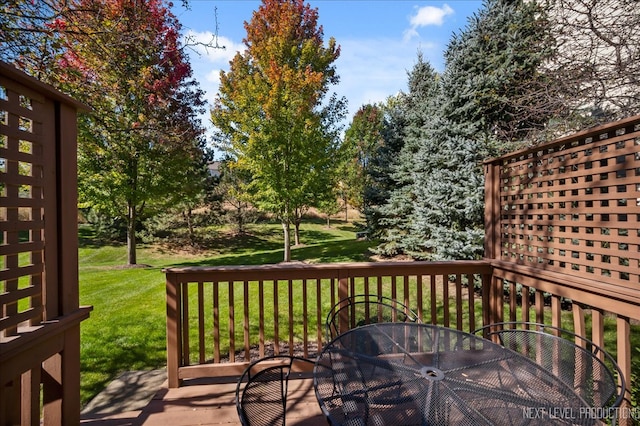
(200, 403)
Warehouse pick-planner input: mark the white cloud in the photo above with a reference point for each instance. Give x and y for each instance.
(426, 16)
(430, 15)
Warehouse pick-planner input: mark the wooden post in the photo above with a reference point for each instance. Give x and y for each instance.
(343, 293)
(173, 330)
(492, 210)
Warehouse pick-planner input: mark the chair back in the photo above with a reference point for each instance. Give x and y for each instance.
(261, 393)
(361, 309)
(578, 362)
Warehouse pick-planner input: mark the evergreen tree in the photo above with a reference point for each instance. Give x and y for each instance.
(484, 104)
(497, 80)
(447, 221)
(381, 182)
(402, 142)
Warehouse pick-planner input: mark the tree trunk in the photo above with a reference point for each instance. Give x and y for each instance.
(189, 217)
(328, 220)
(287, 240)
(131, 235)
(296, 234)
(346, 209)
(240, 223)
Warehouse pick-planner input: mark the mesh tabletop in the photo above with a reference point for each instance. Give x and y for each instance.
(406, 373)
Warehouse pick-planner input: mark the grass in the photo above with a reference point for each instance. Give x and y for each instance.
(126, 330)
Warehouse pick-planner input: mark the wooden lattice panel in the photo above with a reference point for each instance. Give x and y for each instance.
(21, 208)
(573, 206)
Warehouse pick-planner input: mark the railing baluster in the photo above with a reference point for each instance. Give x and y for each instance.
(419, 295)
(579, 327)
(245, 321)
(343, 292)
(394, 289)
(332, 284)
(201, 323)
(305, 322)
(624, 362)
(216, 322)
(539, 306)
(276, 328)
(366, 291)
(319, 316)
(434, 305)
(471, 290)
(498, 303)
(488, 315)
(185, 324)
(352, 285)
(597, 329)
(232, 322)
(174, 340)
(526, 303)
(556, 311)
(459, 301)
(261, 318)
(406, 291)
(290, 288)
(513, 302)
(445, 299)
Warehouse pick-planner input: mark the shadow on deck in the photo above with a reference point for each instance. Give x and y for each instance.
(197, 402)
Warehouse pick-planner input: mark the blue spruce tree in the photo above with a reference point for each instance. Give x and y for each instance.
(485, 103)
(405, 123)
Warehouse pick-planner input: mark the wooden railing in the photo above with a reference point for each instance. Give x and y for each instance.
(216, 317)
(220, 318)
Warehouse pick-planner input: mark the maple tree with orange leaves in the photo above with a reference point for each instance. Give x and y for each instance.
(271, 113)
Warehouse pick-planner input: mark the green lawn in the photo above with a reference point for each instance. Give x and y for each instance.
(126, 330)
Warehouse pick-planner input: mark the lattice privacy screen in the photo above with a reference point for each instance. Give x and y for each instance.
(21, 208)
(573, 205)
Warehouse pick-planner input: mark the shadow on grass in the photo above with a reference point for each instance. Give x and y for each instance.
(333, 251)
(223, 243)
(350, 227)
(316, 235)
(87, 238)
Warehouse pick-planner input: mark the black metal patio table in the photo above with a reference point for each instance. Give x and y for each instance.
(421, 374)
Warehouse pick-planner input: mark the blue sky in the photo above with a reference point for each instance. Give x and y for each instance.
(379, 40)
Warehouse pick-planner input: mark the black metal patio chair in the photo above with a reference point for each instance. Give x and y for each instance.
(361, 309)
(262, 391)
(578, 362)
